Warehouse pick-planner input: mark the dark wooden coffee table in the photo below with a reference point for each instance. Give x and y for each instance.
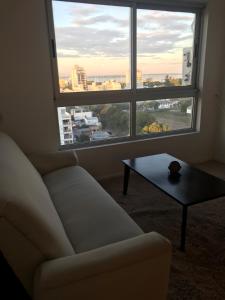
(193, 186)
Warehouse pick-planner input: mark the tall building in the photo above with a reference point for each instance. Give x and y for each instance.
(128, 79)
(78, 79)
(65, 126)
(63, 84)
(139, 79)
(187, 66)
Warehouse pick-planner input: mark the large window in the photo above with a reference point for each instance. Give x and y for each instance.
(125, 70)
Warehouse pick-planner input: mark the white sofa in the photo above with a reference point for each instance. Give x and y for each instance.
(66, 238)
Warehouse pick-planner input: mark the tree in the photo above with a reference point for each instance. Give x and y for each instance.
(115, 120)
(156, 105)
(184, 104)
(149, 105)
(167, 81)
(150, 84)
(156, 127)
(83, 138)
(143, 119)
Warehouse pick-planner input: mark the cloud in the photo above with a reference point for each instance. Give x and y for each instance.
(158, 32)
(165, 21)
(90, 14)
(161, 32)
(67, 54)
(82, 10)
(165, 15)
(89, 41)
(100, 19)
(158, 41)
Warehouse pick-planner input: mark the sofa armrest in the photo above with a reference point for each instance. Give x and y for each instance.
(137, 268)
(48, 162)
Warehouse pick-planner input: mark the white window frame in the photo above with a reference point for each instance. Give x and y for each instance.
(132, 95)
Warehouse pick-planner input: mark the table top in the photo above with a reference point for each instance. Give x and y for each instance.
(191, 187)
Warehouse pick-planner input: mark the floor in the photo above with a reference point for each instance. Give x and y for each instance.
(200, 272)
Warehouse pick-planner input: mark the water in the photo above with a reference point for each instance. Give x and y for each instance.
(122, 78)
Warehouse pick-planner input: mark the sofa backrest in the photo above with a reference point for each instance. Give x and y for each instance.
(30, 228)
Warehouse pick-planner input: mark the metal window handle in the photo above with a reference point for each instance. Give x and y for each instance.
(53, 48)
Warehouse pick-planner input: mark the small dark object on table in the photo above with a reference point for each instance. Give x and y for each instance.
(174, 168)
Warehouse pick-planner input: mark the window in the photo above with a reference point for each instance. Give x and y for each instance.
(123, 71)
(93, 46)
(93, 123)
(164, 48)
(163, 116)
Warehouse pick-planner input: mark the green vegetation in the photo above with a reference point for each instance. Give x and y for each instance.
(155, 127)
(115, 119)
(162, 120)
(184, 104)
(143, 119)
(174, 119)
(168, 82)
(83, 138)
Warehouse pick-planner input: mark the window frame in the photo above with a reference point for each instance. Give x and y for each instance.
(133, 94)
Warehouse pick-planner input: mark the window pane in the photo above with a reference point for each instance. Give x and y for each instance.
(93, 46)
(90, 123)
(164, 48)
(157, 116)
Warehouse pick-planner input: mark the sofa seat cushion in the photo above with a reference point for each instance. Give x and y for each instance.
(90, 216)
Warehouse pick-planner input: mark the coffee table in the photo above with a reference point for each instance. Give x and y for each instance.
(193, 186)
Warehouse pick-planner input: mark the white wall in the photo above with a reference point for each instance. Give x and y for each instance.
(27, 110)
(219, 144)
(26, 107)
(219, 150)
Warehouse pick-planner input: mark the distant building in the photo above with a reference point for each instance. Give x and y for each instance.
(128, 80)
(79, 113)
(99, 135)
(189, 110)
(110, 85)
(139, 79)
(92, 121)
(78, 79)
(84, 119)
(63, 84)
(167, 104)
(93, 86)
(187, 66)
(65, 126)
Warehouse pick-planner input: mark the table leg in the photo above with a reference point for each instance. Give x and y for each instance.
(183, 228)
(126, 179)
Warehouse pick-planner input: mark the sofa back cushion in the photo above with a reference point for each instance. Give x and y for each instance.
(27, 213)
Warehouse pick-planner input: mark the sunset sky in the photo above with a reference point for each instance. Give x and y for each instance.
(97, 38)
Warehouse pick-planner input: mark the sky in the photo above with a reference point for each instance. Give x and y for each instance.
(97, 37)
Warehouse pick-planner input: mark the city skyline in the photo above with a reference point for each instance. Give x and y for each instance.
(79, 80)
(118, 75)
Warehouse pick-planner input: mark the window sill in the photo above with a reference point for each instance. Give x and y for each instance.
(130, 140)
